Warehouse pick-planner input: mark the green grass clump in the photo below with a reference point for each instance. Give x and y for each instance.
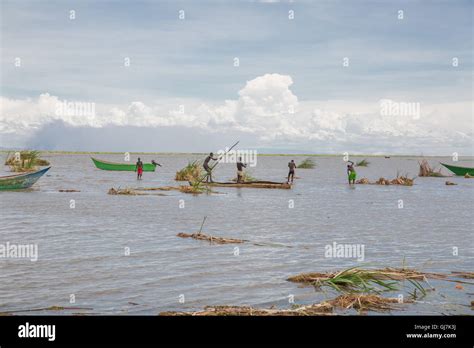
(26, 161)
(308, 163)
(191, 172)
(363, 163)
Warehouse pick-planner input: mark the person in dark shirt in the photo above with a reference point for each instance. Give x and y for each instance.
(240, 170)
(207, 168)
(139, 168)
(291, 173)
(351, 173)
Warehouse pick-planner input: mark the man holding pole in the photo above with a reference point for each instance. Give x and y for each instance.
(207, 168)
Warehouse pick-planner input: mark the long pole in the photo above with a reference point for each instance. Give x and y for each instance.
(217, 162)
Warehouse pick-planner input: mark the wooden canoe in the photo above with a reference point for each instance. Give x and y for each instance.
(127, 167)
(21, 181)
(252, 184)
(459, 170)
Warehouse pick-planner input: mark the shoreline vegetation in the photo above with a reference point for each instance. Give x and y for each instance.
(355, 155)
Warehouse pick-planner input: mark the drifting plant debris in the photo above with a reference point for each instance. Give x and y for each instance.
(69, 190)
(131, 192)
(466, 275)
(366, 302)
(399, 180)
(191, 172)
(211, 239)
(308, 163)
(351, 301)
(426, 170)
(467, 176)
(449, 183)
(52, 308)
(363, 163)
(315, 309)
(366, 280)
(27, 161)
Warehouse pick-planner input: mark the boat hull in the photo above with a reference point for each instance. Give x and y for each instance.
(21, 181)
(461, 171)
(121, 167)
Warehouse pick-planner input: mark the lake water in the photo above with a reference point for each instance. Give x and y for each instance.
(82, 250)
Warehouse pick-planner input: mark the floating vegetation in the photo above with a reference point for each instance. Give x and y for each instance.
(399, 180)
(315, 309)
(308, 163)
(449, 183)
(245, 178)
(131, 192)
(363, 163)
(51, 308)
(25, 161)
(211, 239)
(350, 301)
(467, 176)
(365, 280)
(191, 172)
(365, 302)
(426, 170)
(68, 190)
(466, 275)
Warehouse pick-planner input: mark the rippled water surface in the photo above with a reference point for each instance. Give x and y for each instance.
(82, 250)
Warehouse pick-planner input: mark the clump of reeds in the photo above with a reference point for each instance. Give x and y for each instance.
(354, 280)
(426, 170)
(365, 302)
(399, 180)
(191, 172)
(308, 163)
(211, 239)
(26, 161)
(246, 178)
(363, 163)
(467, 176)
(363, 181)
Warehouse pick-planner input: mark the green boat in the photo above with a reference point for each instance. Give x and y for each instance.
(128, 167)
(459, 170)
(21, 181)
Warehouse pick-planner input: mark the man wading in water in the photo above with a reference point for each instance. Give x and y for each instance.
(139, 168)
(351, 173)
(240, 170)
(207, 168)
(291, 173)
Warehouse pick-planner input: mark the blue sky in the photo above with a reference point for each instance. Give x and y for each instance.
(190, 61)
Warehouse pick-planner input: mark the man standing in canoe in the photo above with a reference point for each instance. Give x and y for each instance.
(351, 173)
(207, 168)
(291, 173)
(240, 170)
(139, 168)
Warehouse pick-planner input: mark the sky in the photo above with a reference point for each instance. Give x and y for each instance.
(372, 77)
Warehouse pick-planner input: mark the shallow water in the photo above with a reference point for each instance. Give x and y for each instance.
(82, 250)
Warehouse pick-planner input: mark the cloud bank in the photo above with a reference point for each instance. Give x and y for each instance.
(266, 112)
